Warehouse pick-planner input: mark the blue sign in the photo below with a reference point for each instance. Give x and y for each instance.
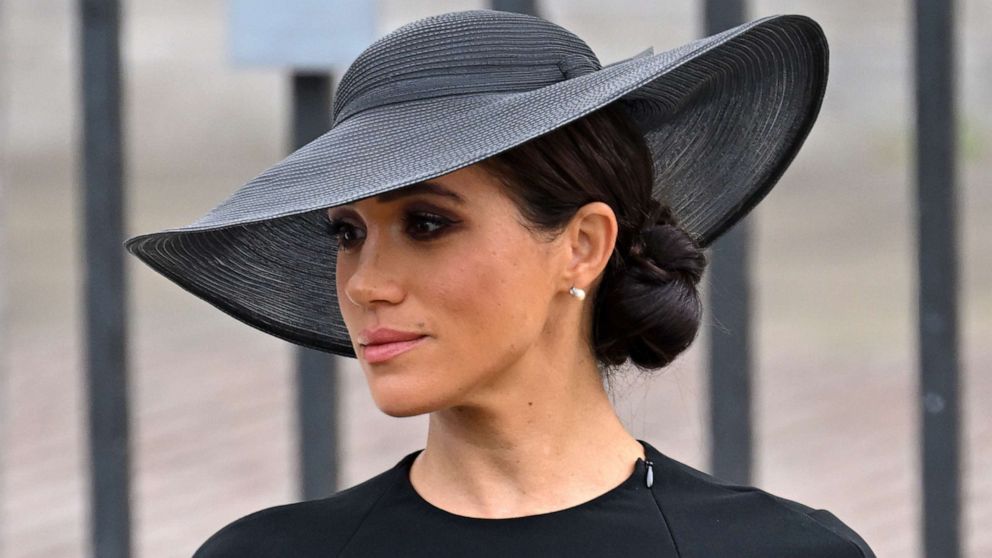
(315, 35)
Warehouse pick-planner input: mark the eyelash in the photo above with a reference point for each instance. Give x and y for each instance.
(337, 228)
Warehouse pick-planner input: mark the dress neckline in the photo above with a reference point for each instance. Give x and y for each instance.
(637, 480)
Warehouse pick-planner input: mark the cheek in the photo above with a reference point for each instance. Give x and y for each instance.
(489, 300)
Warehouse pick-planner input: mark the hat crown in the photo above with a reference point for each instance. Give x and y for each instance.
(461, 53)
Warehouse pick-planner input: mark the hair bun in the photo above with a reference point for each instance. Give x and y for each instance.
(651, 306)
(669, 252)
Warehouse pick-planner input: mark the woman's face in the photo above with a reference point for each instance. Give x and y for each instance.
(449, 261)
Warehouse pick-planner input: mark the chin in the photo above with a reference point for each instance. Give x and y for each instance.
(401, 411)
(398, 398)
(400, 408)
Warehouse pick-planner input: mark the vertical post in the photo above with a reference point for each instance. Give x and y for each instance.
(103, 281)
(316, 371)
(937, 288)
(729, 303)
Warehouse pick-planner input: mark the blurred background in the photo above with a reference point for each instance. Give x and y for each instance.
(212, 400)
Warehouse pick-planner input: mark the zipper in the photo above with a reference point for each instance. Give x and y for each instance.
(649, 473)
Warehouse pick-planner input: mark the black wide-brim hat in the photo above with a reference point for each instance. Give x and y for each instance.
(723, 116)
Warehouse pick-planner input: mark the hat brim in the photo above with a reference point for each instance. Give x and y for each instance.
(724, 116)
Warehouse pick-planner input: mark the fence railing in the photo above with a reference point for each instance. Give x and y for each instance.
(937, 276)
(104, 282)
(729, 306)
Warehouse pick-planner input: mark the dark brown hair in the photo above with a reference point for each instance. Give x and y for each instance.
(647, 307)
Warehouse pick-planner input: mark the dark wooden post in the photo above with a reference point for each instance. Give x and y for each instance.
(937, 288)
(103, 283)
(316, 371)
(729, 305)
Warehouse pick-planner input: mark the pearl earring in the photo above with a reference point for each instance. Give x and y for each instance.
(577, 293)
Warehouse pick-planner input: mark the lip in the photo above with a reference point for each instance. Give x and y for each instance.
(380, 335)
(381, 352)
(381, 344)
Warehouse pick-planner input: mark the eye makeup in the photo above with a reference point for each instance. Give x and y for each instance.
(421, 223)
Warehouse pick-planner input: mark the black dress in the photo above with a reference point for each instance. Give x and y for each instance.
(683, 513)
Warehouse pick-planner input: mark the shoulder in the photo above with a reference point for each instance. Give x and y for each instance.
(301, 528)
(708, 516)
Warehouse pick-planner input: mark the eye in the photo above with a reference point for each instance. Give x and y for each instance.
(424, 225)
(343, 232)
(419, 225)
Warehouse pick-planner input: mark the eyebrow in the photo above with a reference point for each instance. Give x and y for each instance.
(425, 187)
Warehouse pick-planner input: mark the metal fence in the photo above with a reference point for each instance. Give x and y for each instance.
(729, 352)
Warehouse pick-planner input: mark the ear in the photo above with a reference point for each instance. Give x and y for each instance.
(590, 238)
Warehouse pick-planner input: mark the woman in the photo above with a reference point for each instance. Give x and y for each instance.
(493, 225)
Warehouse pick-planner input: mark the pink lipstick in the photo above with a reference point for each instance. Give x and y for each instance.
(386, 351)
(382, 344)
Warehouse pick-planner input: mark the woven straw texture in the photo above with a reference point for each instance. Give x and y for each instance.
(723, 116)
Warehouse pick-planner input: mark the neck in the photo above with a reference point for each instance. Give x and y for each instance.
(545, 445)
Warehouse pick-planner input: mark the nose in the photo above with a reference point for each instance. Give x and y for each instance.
(369, 276)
